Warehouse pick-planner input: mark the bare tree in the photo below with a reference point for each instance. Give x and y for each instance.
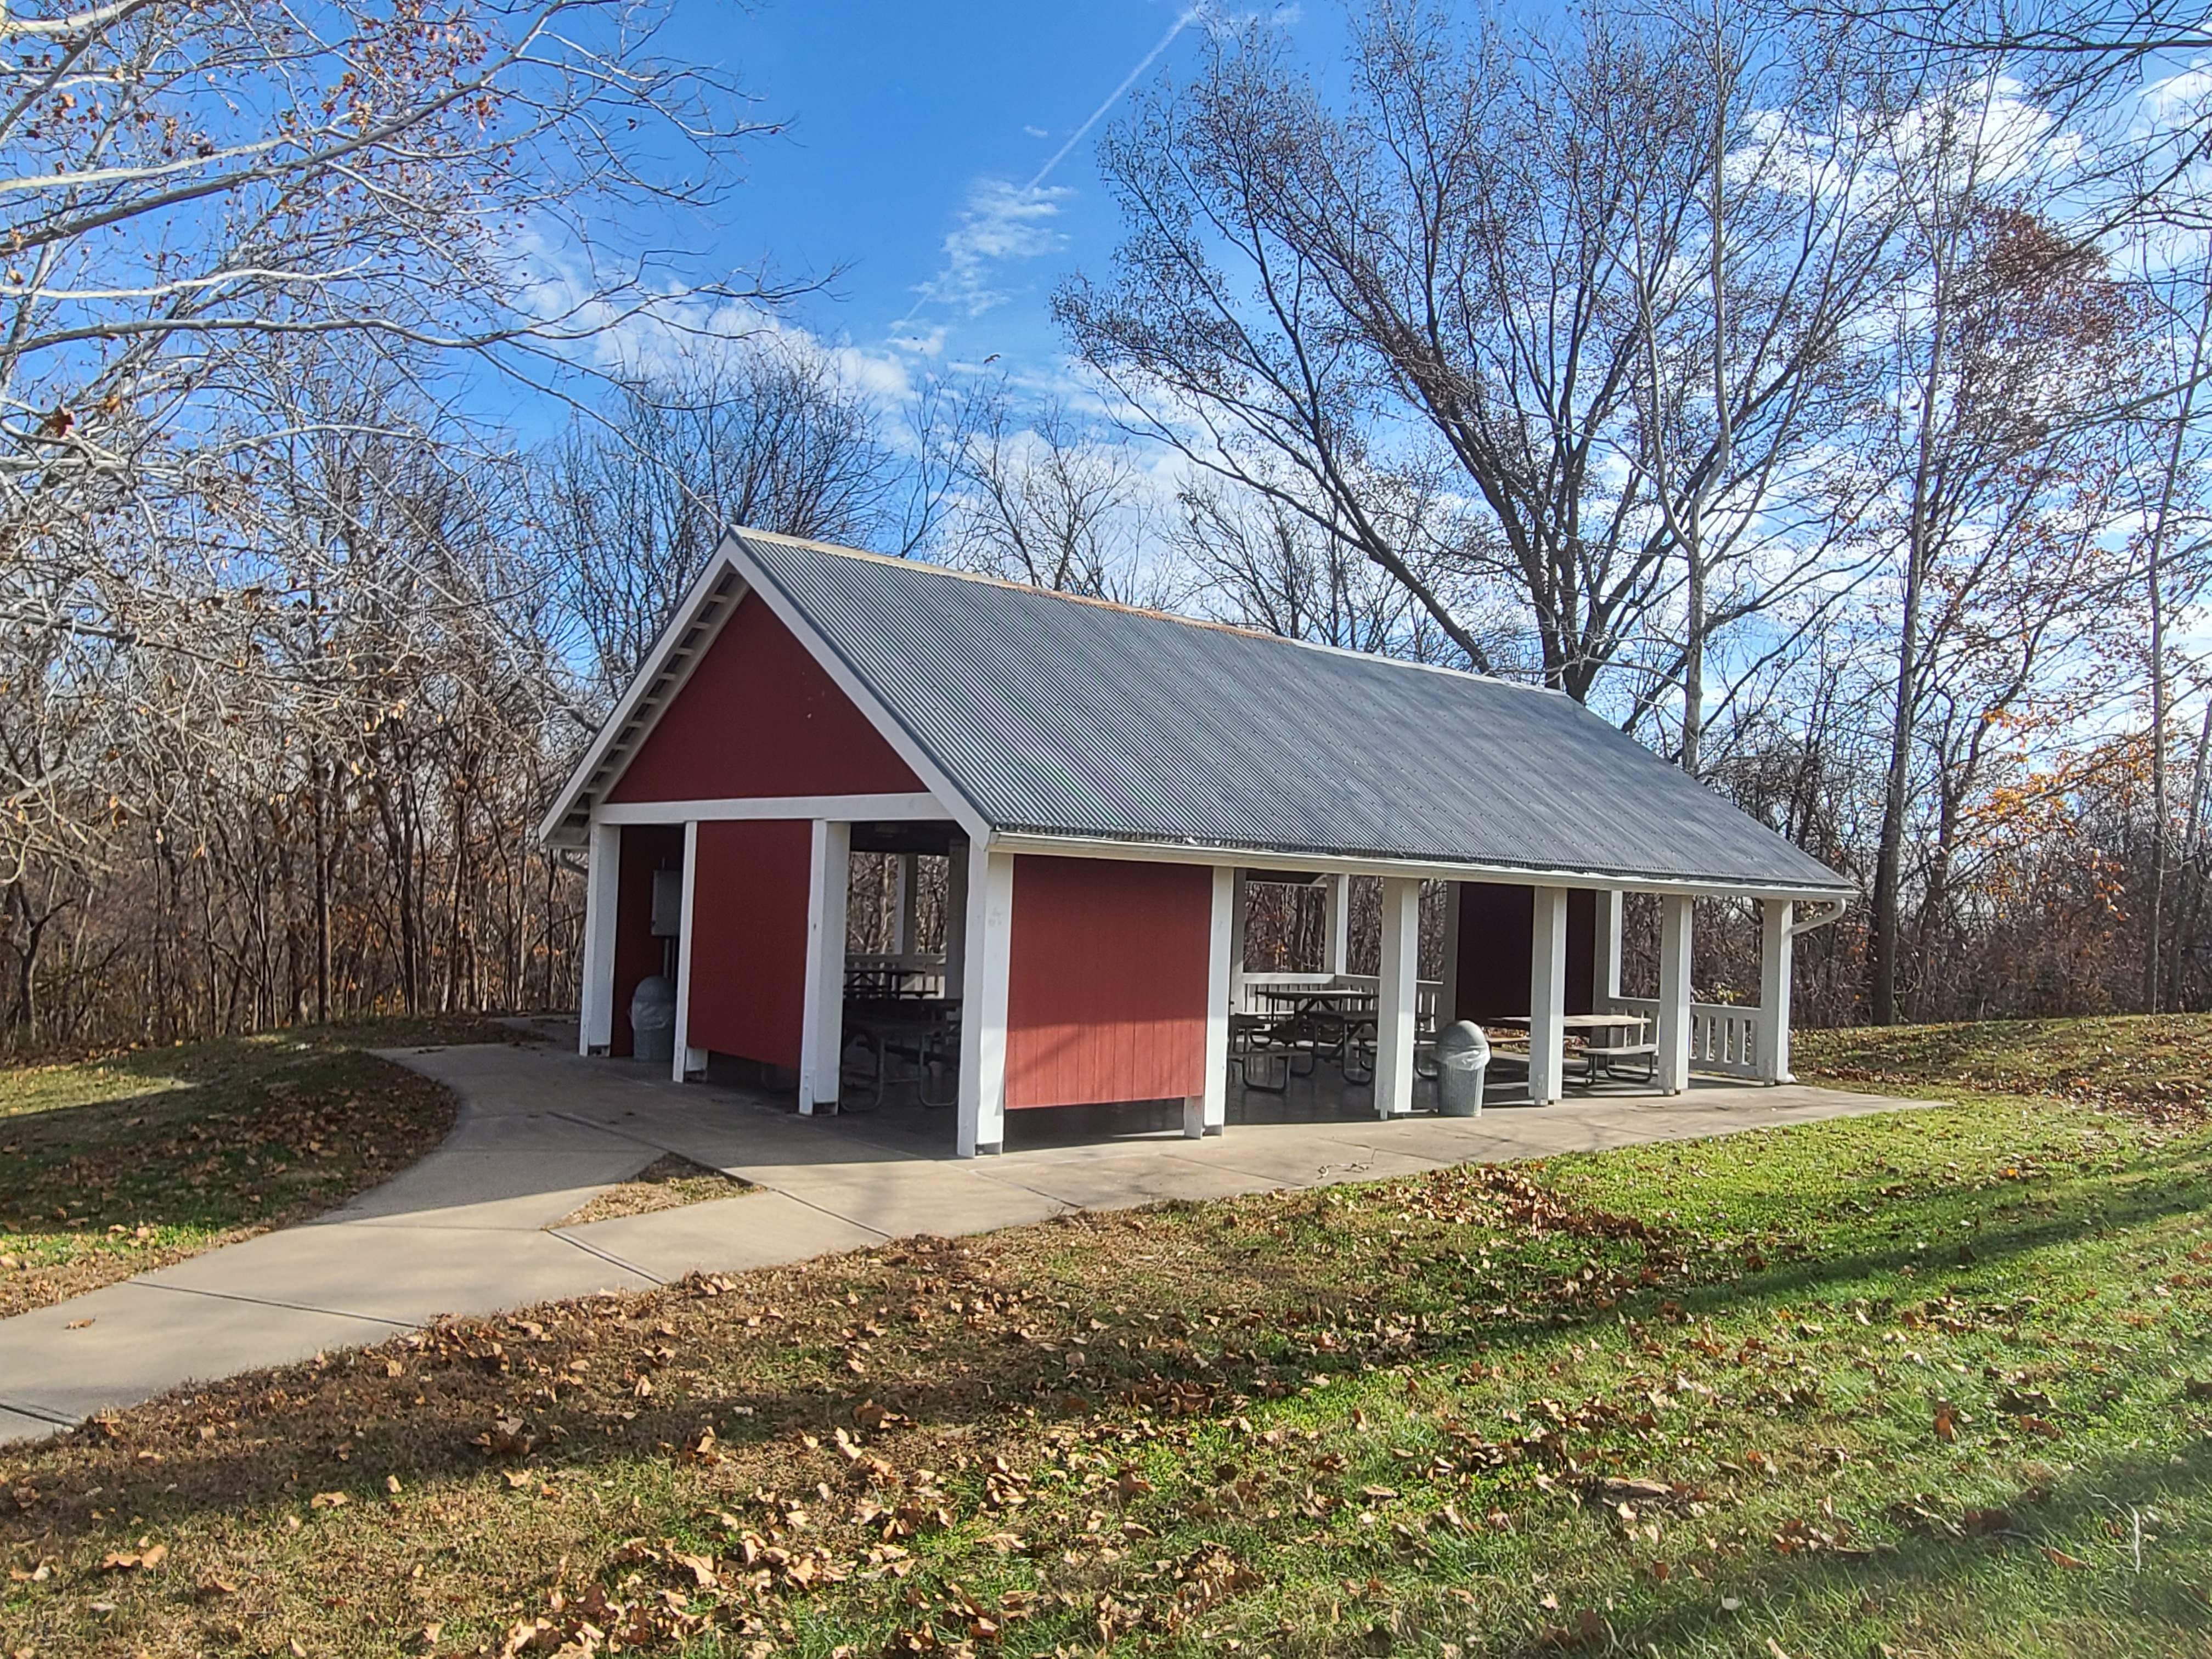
(1483, 271)
(2005, 347)
(194, 187)
(763, 433)
(1048, 503)
(1259, 565)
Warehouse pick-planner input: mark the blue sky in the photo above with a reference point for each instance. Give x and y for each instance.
(917, 132)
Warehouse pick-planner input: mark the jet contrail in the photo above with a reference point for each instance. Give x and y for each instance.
(1191, 15)
(1113, 97)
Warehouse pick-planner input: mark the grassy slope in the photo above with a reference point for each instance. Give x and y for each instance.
(1920, 1384)
(124, 1162)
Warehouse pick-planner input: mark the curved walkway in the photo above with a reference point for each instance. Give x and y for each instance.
(468, 1230)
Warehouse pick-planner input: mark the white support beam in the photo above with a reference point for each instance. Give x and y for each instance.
(1240, 920)
(686, 1059)
(1336, 929)
(846, 809)
(822, 1027)
(1547, 995)
(1674, 993)
(1206, 1113)
(906, 877)
(595, 1001)
(983, 1006)
(1604, 968)
(1396, 997)
(1777, 947)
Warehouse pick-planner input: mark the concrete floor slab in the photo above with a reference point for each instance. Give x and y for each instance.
(729, 1235)
(1123, 1183)
(403, 1275)
(18, 1426)
(516, 1188)
(901, 1197)
(135, 1339)
(1311, 1159)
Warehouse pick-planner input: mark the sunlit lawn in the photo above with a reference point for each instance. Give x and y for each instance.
(120, 1163)
(1935, 1383)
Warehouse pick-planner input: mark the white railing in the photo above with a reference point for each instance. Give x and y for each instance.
(1723, 1035)
(929, 970)
(1427, 992)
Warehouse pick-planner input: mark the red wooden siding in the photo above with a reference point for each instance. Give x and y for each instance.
(1496, 935)
(758, 716)
(749, 939)
(646, 847)
(1106, 982)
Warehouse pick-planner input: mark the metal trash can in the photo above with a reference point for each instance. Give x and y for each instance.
(653, 1018)
(1462, 1057)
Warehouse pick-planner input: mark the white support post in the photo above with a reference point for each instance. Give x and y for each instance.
(1205, 1114)
(983, 1008)
(595, 1002)
(956, 920)
(1396, 997)
(1777, 946)
(1448, 988)
(1673, 993)
(687, 1059)
(1336, 929)
(822, 1027)
(1547, 995)
(905, 890)
(1240, 908)
(1604, 968)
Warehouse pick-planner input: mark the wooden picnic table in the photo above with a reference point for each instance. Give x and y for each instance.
(1599, 1058)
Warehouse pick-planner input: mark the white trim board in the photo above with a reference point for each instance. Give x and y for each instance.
(1426, 869)
(845, 809)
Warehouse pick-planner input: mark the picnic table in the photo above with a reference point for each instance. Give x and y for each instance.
(1318, 1020)
(1602, 1058)
(901, 1040)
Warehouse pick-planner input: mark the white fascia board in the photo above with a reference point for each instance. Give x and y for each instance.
(962, 810)
(656, 660)
(1423, 870)
(843, 809)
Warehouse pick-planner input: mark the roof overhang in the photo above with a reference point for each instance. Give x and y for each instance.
(1414, 869)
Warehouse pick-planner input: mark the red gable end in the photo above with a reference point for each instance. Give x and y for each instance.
(759, 717)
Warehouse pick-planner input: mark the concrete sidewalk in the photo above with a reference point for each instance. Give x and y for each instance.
(467, 1231)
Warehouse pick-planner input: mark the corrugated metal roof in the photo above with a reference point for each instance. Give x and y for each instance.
(1066, 718)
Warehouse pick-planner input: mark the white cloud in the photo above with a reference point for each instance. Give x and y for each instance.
(1002, 223)
(1036, 132)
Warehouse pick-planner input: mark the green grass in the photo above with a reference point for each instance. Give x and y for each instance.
(125, 1161)
(1936, 1383)
(2154, 1065)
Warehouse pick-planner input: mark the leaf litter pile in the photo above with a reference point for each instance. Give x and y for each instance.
(669, 1182)
(1522, 1409)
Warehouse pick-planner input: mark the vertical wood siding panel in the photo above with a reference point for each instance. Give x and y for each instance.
(758, 716)
(1106, 992)
(749, 940)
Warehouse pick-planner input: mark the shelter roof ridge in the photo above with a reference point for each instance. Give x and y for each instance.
(1121, 607)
